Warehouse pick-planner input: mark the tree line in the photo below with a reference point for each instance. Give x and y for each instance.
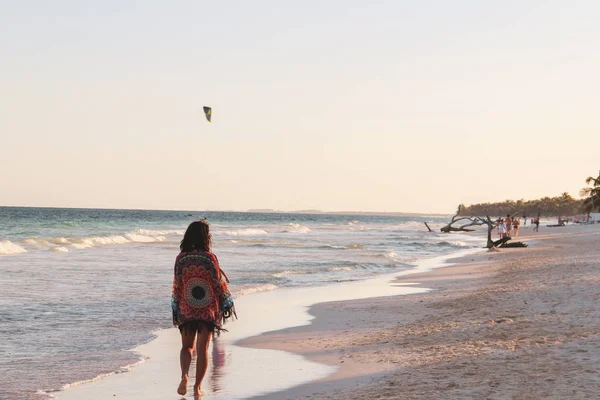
(563, 205)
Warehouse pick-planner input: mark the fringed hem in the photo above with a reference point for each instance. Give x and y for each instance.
(226, 316)
(229, 314)
(192, 327)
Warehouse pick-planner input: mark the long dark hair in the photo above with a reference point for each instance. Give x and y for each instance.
(197, 237)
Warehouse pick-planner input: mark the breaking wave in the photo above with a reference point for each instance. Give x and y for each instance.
(289, 272)
(246, 232)
(63, 244)
(331, 246)
(251, 288)
(151, 232)
(296, 228)
(8, 248)
(337, 269)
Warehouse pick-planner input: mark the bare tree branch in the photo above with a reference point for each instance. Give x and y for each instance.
(478, 221)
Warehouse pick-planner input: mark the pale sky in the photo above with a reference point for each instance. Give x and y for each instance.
(407, 106)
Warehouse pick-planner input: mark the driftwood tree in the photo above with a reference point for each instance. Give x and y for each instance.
(478, 221)
(475, 221)
(472, 221)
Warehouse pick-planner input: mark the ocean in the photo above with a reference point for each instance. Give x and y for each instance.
(81, 287)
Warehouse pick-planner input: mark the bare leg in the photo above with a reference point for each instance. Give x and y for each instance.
(202, 362)
(185, 357)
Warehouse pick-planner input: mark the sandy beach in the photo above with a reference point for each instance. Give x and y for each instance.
(237, 372)
(515, 324)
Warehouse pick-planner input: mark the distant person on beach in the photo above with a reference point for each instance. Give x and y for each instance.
(524, 220)
(500, 228)
(516, 225)
(508, 222)
(536, 222)
(201, 301)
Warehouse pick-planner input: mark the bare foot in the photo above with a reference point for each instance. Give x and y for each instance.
(182, 389)
(197, 393)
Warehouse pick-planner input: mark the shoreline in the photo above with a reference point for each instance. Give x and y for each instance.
(321, 333)
(161, 355)
(322, 357)
(483, 310)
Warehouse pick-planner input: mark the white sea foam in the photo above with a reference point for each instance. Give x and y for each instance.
(8, 248)
(151, 232)
(43, 393)
(287, 273)
(337, 269)
(391, 255)
(296, 228)
(459, 243)
(81, 245)
(113, 239)
(332, 246)
(354, 226)
(37, 242)
(61, 240)
(126, 368)
(246, 232)
(136, 236)
(131, 237)
(31, 241)
(248, 289)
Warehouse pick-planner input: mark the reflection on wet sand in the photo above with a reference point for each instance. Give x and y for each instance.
(218, 364)
(216, 370)
(255, 371)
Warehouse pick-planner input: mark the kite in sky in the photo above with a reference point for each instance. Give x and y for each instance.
(208, 113)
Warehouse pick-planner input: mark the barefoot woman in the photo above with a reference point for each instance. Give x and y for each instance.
(201, 300)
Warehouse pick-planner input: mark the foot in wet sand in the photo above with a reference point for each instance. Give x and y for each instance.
(182, 389)
(197, 393)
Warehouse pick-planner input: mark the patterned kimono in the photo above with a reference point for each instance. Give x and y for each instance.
(200, 292)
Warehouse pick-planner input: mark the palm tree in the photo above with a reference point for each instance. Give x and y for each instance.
(592, 194)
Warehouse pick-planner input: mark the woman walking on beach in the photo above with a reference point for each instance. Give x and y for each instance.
(201, 301)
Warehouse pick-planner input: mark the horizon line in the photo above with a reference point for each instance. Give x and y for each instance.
(251, 210)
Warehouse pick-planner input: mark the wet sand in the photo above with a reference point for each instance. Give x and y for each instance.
(237, 372)
(514, 324)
